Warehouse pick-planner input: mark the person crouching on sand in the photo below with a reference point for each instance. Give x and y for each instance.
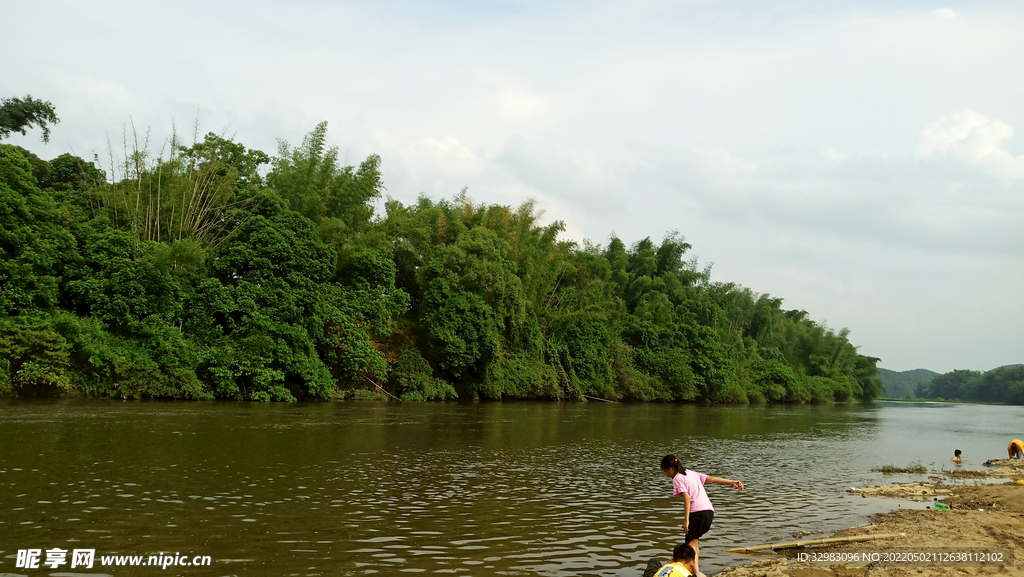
(698, 512)
(1016, 449)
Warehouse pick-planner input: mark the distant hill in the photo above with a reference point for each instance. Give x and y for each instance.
(1005, 367)
(900, 385)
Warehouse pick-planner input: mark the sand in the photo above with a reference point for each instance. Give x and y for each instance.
(980, 515)
(917, 491)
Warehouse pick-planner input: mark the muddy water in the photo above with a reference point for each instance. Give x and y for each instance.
(472, 489)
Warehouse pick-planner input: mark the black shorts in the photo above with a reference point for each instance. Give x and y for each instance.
(700, 523)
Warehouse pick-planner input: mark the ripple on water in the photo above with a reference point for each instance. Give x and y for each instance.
(538, 493)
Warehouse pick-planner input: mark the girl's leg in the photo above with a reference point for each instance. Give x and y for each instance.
(696, 554)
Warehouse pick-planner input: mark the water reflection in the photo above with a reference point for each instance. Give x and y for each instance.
(365, 488)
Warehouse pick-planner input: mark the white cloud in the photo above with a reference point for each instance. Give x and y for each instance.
(975, 138)
(449, 155)
(519, 105)
(101, 91)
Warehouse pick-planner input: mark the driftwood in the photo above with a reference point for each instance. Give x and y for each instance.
(808, 542)
(598, 399)
(381, 389)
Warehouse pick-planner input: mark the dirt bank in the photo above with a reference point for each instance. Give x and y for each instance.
(989, 515)
(1004, 463)
(1005, 468)
(918, 491)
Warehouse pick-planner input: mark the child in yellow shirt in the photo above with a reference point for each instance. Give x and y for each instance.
(684, 561)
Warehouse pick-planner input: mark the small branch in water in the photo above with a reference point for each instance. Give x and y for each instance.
(598, 399)
(381, 389)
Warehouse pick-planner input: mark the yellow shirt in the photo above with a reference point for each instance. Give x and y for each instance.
(673, 570)
(1019, 443)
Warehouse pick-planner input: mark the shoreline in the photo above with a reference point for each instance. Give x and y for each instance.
(983, 512)
(941, 400)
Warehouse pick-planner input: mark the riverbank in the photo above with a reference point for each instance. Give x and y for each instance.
(989, 514)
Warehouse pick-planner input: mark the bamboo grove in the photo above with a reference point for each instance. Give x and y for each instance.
(212, 271)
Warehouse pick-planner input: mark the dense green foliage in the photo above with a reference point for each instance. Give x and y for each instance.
(20, 114)
(902, 385)
(196, 276)
(1002, 385)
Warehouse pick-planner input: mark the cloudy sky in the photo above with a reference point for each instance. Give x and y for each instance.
(861, 160)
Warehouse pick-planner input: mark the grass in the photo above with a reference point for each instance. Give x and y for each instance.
(913, 468)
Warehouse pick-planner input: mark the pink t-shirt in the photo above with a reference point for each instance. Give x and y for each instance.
(693, 483)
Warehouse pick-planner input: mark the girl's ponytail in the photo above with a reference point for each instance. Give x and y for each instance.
(671, 462)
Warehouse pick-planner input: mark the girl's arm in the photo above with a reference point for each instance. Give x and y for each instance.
(721, 481)
(686, 511)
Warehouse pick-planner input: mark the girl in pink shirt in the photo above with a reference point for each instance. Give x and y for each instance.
(697, 509)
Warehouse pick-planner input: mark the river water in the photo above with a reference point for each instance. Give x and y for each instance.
(553, 489)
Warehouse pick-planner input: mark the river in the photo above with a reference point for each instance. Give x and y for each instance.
(555, 489)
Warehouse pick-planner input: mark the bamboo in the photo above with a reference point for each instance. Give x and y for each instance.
(113, 177)
(159, 182)
(184, 191)
(792, 544)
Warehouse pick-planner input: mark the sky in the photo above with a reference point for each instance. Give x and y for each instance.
(863, 161)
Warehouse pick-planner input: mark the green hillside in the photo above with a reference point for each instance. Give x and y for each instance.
(900, 385)
(1002, 385)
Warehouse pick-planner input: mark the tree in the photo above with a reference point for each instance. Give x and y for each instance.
(33, 358)
(118, 282)
(336, 198)
(958, 384)
(19, 114)
(276, 327)
(34, 245)
(478, 322)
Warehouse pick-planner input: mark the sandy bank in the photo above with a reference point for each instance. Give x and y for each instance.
(917, 491)
(980, 515)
